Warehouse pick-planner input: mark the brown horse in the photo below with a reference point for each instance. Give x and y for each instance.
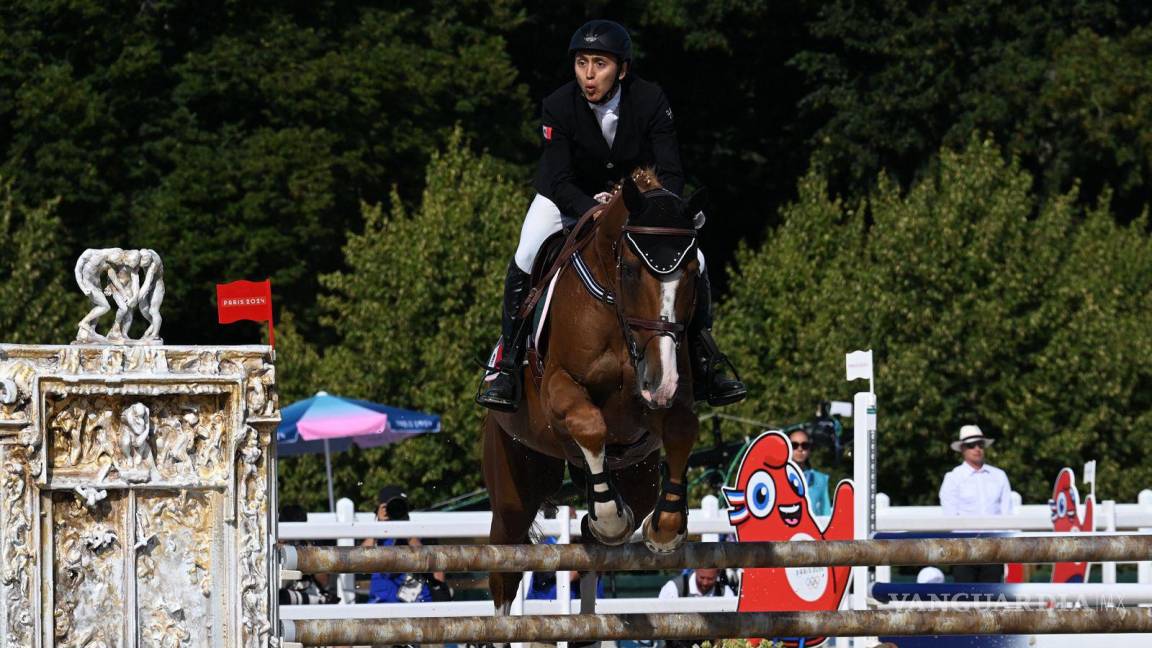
(616, 385)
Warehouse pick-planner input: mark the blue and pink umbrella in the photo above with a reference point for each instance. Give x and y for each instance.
(326, 423)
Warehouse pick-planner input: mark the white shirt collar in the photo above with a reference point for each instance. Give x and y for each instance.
(608, 106)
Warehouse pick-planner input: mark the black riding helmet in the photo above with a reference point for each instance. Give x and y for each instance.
(602, 36)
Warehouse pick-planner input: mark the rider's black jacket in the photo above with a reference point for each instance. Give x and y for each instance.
(577, 163)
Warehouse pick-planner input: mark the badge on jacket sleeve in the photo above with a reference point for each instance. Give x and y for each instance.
(547, 133)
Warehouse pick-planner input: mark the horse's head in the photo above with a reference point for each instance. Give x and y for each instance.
(656, 273)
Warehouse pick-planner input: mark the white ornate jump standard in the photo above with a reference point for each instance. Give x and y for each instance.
(136, 495)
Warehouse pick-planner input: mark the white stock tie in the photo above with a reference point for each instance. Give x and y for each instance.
(608, 126)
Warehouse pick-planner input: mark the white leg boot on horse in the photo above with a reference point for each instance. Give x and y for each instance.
(609, 519)
(612, 521)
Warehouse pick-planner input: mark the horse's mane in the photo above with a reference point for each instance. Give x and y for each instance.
(645, 179)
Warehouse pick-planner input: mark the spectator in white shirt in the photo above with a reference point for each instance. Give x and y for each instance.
(975, 488)
(698, 582)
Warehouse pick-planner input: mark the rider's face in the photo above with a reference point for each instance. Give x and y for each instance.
(596, 73)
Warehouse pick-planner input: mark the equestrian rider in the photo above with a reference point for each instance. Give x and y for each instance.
(597, 128)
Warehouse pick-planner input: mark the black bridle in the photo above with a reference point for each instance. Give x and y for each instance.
(628, 325)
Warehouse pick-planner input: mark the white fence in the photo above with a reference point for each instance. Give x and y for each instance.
(710, 522)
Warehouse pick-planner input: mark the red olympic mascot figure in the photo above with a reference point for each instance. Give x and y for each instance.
(770, 503)
(1066, 519)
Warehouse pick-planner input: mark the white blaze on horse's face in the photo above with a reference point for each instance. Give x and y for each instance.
(659, 375)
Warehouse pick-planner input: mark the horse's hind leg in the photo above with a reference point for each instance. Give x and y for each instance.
(666, 527)
(611, 520)
(518, 479)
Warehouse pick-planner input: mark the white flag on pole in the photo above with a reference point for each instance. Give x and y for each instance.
(859, 365)
(1090, 475)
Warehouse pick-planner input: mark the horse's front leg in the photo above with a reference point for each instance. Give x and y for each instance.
(666, 528)
(569, 404)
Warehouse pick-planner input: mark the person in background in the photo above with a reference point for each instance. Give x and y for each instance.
(817, 481)
(975, 488)
(542, 585)
(693, 583)
(930, 575)
(698, 582)
(386, 587)
(310, 589)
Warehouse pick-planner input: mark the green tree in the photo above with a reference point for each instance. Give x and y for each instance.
(980, 306)
(1099, 98)
(892, 82)
(238, 139)
(419, 302)
(38, 304)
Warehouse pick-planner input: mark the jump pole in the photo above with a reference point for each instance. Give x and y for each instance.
(635, 556)
(612, 627)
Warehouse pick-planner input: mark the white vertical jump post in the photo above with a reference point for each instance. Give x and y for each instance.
(1144, 568)
(563, 581)
(859, 366)
(1108, 512)
(345, 583)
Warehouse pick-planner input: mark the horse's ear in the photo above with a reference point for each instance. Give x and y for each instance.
(696, 205)
(632, 198)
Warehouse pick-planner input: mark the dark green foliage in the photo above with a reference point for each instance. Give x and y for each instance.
(239, 138)
(978, 308)
(419, 301)
(33, 308)
(259, 139)
(892, 81)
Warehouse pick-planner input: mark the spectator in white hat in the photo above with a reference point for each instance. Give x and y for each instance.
(930, 575)
(975, 488)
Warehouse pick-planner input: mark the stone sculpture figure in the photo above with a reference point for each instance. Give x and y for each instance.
(124, 290)
(116, 273)
(92, 265)
(135, 430)
(151, 293)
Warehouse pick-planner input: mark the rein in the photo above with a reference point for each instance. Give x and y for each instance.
(577, 240)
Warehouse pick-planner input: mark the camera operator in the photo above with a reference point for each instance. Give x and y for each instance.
(386, 587)
(311, 589)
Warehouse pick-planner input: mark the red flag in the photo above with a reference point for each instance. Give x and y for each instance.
(245, 300)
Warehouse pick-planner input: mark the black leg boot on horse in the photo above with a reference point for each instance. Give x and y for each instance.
(503, 393)
(710, 380)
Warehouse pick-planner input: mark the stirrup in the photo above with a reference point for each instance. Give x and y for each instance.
(485, 396)
(736, 392)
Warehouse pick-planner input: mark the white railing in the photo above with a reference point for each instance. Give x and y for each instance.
(346, 526)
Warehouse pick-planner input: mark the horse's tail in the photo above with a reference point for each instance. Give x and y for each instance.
(550, 507)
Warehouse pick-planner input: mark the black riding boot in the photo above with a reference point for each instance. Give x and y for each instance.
(503, 393)
(709, 366)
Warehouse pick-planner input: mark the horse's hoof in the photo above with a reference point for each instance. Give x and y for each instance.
(622, 537)
(656, 546)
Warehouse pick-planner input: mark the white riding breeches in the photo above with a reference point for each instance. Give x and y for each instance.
(544, 220)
